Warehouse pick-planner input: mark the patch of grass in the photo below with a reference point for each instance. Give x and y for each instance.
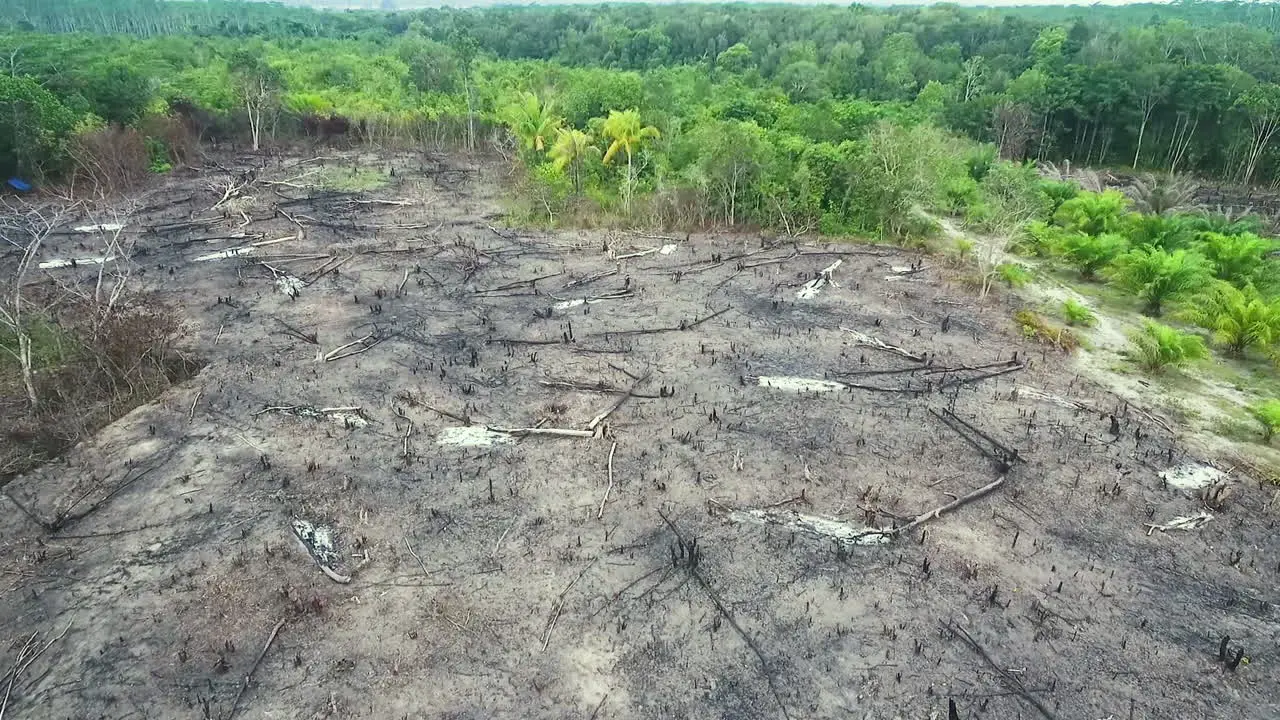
(1036, 327)
(1078, 314)
(1234, 429)
(1250, 375)
(1107, 298)
(351, 179)
(51, 346)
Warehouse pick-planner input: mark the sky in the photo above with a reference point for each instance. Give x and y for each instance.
(415, 4)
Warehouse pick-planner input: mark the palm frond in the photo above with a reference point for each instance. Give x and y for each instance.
(1161, 194)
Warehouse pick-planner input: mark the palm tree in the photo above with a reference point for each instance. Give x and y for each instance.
(1239, 319)
(1157, 346)
(1093, 213)
(1236, 258)
(1160, 194)
(532, 121)
(627, 133)
(1157, 276)
(570, 151)
(1091, 253)
(1167, 232)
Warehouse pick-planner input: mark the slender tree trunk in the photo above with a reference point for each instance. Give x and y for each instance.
(1263, 131)
(1184, 131)
(733, 198)
(626, 186)
(28, 373)
(471, 116)
(255, 121)
(1142, 130)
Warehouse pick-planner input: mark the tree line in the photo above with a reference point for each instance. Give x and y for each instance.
(1187, 87)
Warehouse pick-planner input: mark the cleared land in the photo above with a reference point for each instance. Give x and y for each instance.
(736, 416)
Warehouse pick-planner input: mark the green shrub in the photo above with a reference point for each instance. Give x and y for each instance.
(158, 156)
(1013, 274)
(1078, 314)
(963, 247)
(1226, 221)
(1090, 253)
(1158, 277)
(1037, 238)
(1267, 413)
(1058, 192)
(902, 170)
(978, 162)
(961, 194)
(1157, 347)
(1010, 198)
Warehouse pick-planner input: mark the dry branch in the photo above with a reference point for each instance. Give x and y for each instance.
(733, 622)
(23, 661)
(963, 500)
(397, 203)
(365, 343)
(1009, 679)
(653, 331)
(609, 489)
(415, 557)
(553, 432)
(531, 282)
(588, 279)
(957, 381)
(1001, 454)
(294, 332)
(325, 268)
(814, 286)
(66, 518)
(407, 432)
(639, 253)
(595, 421)
(1182, 522)
(559, 605)
(464, 419)
(598, 387)
(864, 340)
(235, 705)
(308, 411)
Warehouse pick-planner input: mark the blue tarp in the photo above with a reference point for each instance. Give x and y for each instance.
(19, 185)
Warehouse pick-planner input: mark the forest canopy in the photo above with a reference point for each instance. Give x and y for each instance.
(762, 108)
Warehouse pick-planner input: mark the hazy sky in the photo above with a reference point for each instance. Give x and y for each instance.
(414, 4)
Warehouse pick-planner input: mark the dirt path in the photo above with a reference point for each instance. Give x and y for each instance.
(385, 387)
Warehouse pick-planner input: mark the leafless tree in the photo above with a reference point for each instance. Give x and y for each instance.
(25, 226)
(101, 293)
(1014, 126)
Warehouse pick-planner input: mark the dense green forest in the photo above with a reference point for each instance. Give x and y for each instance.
(771, 114)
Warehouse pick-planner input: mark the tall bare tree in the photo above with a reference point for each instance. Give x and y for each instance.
(25, 226)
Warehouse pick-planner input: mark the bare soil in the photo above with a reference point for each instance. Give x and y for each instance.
(701, 554)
